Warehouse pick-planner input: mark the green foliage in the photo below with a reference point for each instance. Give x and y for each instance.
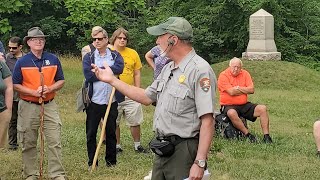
(10, 7)
(4, 25)
(221, 26)
(14, 6)
(107, 13)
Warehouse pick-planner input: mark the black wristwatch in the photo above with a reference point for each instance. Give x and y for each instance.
(201, 163)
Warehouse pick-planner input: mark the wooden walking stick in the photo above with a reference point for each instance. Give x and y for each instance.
(103, 131)
(41, 126)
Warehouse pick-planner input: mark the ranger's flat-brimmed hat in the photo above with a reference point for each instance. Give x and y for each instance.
(173, 25)
(34, 32)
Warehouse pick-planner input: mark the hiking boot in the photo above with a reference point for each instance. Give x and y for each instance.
(140, 149)
(119, 150)
(267, 139)
(251, 138)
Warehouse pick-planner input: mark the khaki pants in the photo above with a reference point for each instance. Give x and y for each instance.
(4, 125)
(28, 126)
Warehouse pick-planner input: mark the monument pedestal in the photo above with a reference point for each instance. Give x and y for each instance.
(261, 56)
(261, 44)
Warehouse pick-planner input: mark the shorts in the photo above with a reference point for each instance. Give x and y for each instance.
(246, 110)
(131, 111)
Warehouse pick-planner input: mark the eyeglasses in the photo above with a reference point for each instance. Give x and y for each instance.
(235, 67)
(12, 48)
(124, 38)
(37, 39)
(99, 39)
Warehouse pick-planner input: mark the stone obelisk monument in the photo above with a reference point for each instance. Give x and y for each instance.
(261, 44)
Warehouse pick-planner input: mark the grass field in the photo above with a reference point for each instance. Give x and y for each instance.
(290, 91)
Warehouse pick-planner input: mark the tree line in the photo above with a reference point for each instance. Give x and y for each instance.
(220, 26)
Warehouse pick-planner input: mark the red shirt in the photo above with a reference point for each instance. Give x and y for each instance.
(226, 81)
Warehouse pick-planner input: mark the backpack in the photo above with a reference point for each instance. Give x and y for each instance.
(82, 98)
(225, 128)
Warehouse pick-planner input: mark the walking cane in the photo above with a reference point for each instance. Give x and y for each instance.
(41, 126)
(103, 130)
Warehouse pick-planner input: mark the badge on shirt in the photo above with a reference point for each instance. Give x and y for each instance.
(205, 84)
(47, 62)
(181, 79)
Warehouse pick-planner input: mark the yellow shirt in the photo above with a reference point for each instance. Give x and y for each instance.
(132, 62)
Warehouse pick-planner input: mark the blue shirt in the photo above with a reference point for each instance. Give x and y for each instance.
(102, 90)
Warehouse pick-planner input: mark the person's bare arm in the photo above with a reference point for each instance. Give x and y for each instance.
(134, 93)
(37, 93)
(54, 87)
(205, 139)
(149, 58)
(8, 92)
(137, 78)
(238, 90)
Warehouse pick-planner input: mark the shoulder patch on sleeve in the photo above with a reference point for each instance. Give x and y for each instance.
(205, 84)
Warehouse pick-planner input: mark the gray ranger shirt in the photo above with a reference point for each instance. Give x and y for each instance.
(183, 94)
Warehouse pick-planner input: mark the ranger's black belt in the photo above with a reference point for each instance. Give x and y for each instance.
(175, 139)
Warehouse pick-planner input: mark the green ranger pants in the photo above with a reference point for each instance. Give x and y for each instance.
(177, 166)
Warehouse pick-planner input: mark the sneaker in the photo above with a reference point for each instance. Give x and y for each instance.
(251, 138)
(267, 139)
(140, 149)
(318, 154)
(119, 150)
(149, 176)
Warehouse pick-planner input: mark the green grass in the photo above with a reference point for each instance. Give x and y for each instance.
(290, 91)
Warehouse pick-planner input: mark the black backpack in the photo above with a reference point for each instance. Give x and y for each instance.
(225, 128)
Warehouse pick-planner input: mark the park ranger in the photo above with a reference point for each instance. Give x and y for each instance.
(185, 96)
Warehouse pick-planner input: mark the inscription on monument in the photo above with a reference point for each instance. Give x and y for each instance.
(257, 29)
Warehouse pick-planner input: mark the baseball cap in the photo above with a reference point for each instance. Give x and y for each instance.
(178, 26)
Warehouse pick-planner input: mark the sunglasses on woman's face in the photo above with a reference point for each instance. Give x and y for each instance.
(120, 38)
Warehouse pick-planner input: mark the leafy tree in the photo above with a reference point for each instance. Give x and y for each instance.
(85, 14)
(10, 7)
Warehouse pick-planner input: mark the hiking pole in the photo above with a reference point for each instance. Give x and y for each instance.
(41, 126)
(103, 131)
